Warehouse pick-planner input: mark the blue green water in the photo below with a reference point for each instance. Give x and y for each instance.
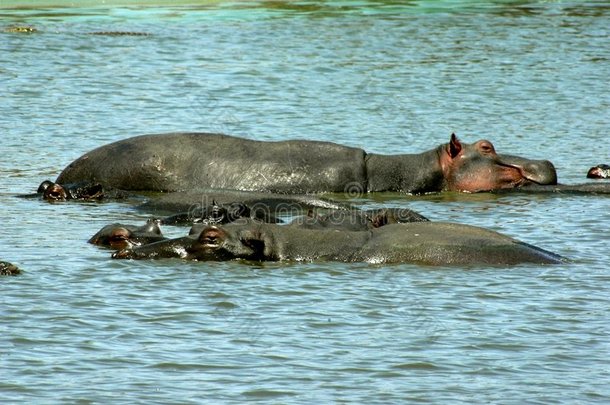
(388, 76)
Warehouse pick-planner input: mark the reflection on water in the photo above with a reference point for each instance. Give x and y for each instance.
(387, 76)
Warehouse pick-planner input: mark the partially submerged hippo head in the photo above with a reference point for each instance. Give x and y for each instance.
(119, 236)
(599, 172)
(211, 214)
(212, 243)
(477, 167)
(54, 192)
(8, 269)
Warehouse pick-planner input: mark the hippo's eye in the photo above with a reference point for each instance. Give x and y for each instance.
(486, 147)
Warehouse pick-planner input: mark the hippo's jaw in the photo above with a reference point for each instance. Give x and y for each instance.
(503, 176)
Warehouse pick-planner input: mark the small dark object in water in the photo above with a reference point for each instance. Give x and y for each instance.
(599, 172)
(20, 29)
(8, 269)
(120, 33)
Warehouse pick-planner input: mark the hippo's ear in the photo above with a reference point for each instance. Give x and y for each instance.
(455, 146)
(44, 185)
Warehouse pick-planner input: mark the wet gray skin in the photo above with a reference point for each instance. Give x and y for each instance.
(187, 161)
(428, 243)
(120, 236)
(357, 220)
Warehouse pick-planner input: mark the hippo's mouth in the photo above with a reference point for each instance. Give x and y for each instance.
(210, 243)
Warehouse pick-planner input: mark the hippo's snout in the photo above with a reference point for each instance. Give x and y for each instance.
(534, 171)
(540, 172)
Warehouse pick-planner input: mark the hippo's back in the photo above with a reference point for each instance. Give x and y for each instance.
(439, 243)
(183, 161)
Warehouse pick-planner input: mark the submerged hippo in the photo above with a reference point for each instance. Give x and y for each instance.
(599, 172)
(430, 243)
(564, 189)
(119, 236)
(197, 205)
(357, 220)
(85, 191)
(341, 220)
(8, 269)
(220, 214)
(185, 161)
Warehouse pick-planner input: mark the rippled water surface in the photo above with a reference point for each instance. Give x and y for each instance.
(391, 77)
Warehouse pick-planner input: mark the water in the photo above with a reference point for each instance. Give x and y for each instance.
(78, 327)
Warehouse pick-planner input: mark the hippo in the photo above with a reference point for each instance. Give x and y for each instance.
(426, 243)
(220, 214)
(591, 188)
(196, 204)
(119, 236)
(186, 161)
(344, 220)
(357, 220)
(8, 269)
(599, 172)
(85, 191)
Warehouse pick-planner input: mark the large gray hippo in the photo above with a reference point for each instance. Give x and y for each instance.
(430, 243)
(185, 161)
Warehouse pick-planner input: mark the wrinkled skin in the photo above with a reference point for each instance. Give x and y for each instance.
(429, 243)
(599, 172)
(186, 161)
(8, 269)
(119, 236)
(85, 191)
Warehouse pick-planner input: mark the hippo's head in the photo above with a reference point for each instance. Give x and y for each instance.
(216, 243)
(118, 236)
(213, 243)
(477, 167)
(599, 172)
(54, 192)
(115, 237)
